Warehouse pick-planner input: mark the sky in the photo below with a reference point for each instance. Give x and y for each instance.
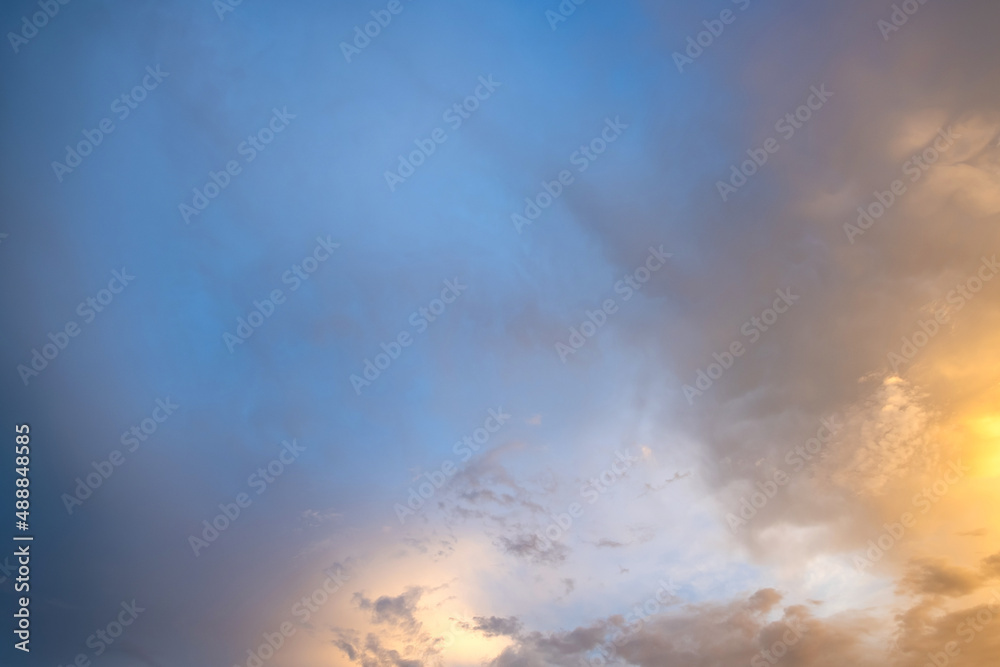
(510, 334)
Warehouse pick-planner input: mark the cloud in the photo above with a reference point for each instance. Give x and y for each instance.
(991, 565)
(540, 650)
(398, 638)
(495, 626)
(722, 635)
(533, 547)
(376, 655)
(935, 576)
(604, 542)
(398, 611)
(764, 600)
(926, 629)
(978, 532)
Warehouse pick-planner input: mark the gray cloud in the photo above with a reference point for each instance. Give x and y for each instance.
(495, 626)
(399, 610)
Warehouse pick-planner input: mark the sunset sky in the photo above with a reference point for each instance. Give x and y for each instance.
(515, 334)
